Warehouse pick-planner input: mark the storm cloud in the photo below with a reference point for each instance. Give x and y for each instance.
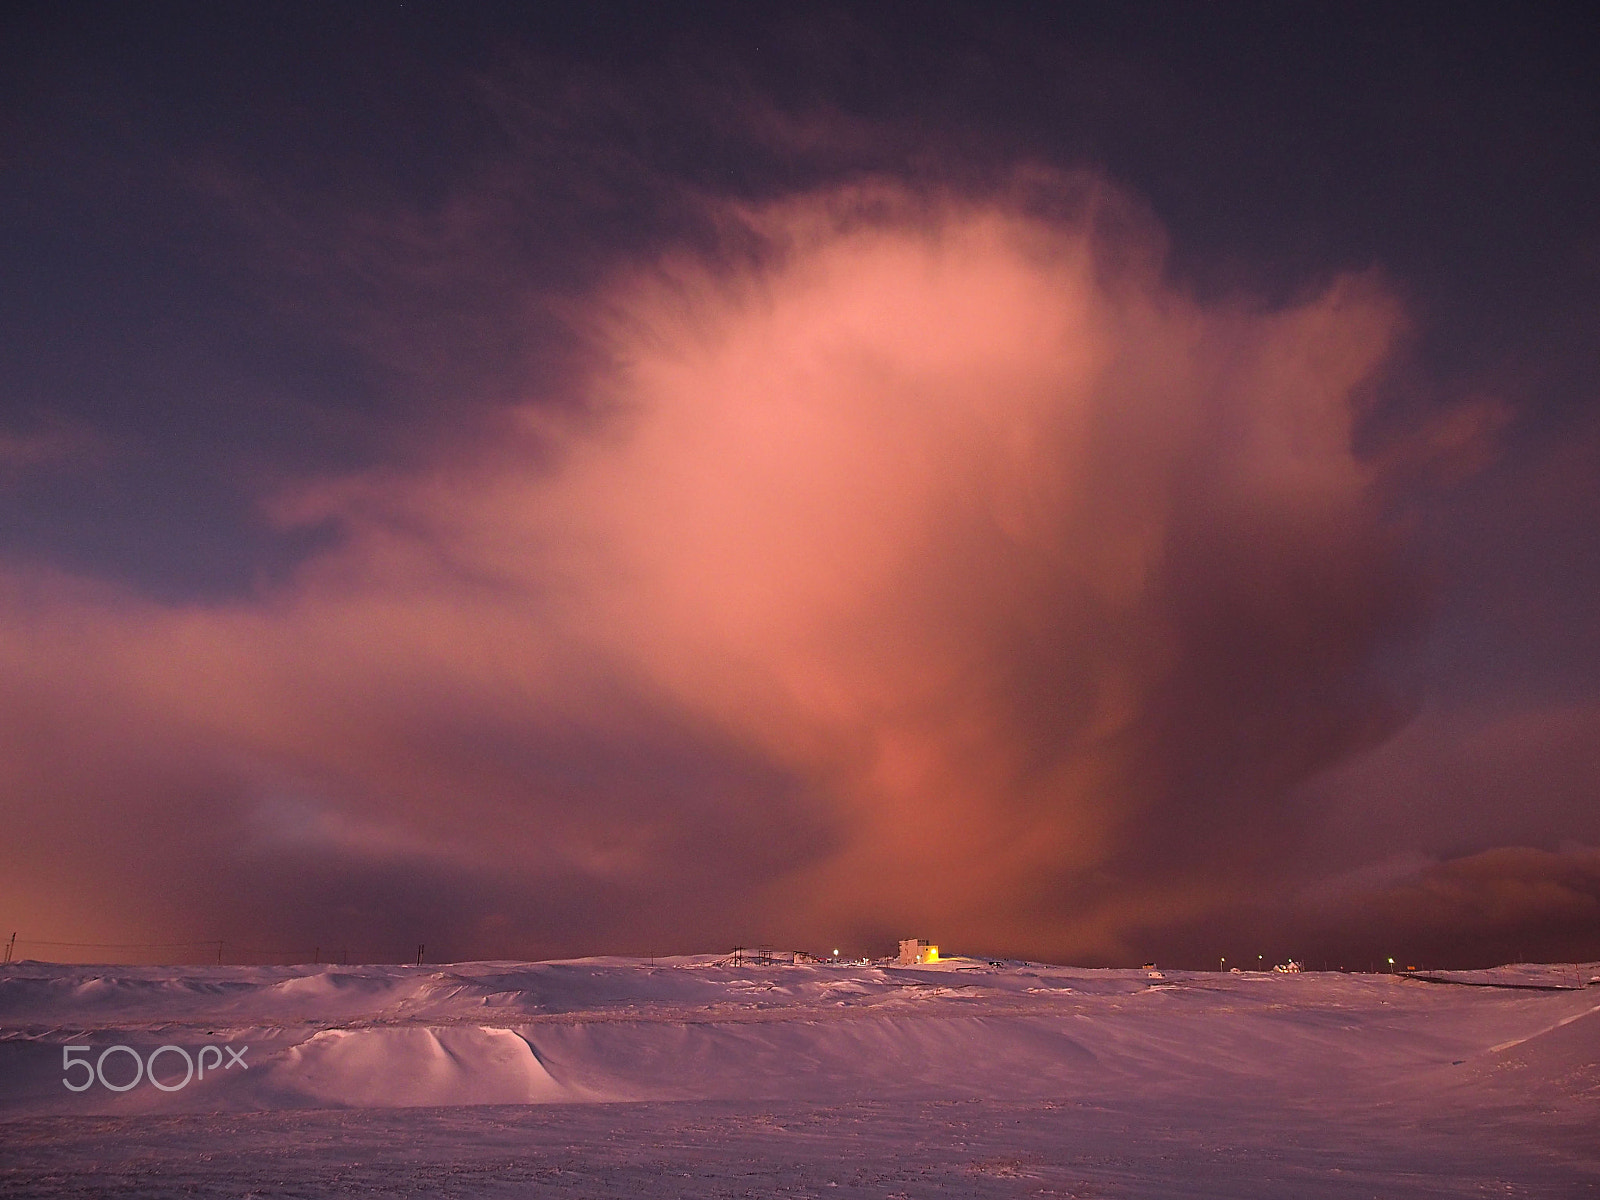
(925, 561)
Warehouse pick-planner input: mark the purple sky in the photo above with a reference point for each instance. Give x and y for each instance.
(1096, 488)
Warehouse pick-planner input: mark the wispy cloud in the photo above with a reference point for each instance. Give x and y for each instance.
(924, 561)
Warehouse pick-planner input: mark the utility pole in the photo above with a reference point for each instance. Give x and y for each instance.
(10, 946)
(420, 947)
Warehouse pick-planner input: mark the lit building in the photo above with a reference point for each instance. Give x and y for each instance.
(915, 950)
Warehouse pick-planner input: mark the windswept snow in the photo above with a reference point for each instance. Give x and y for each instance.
(688, 1076)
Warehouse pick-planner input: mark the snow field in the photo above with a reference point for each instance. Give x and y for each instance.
(687, 1077)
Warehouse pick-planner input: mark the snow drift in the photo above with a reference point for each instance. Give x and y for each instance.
(607, 1030)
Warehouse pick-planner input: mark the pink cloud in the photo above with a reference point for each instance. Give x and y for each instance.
(923, 562)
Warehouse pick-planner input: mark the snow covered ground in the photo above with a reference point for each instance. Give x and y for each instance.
(617, 1077)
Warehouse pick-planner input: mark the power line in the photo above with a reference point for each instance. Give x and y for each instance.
(218, 946)
(119, 945)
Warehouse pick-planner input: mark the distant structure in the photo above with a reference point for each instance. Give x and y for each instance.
(915, 950)
(766, 956)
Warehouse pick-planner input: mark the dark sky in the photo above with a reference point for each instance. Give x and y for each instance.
(1092, 483)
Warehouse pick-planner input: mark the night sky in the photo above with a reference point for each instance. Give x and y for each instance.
(1091, 483)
